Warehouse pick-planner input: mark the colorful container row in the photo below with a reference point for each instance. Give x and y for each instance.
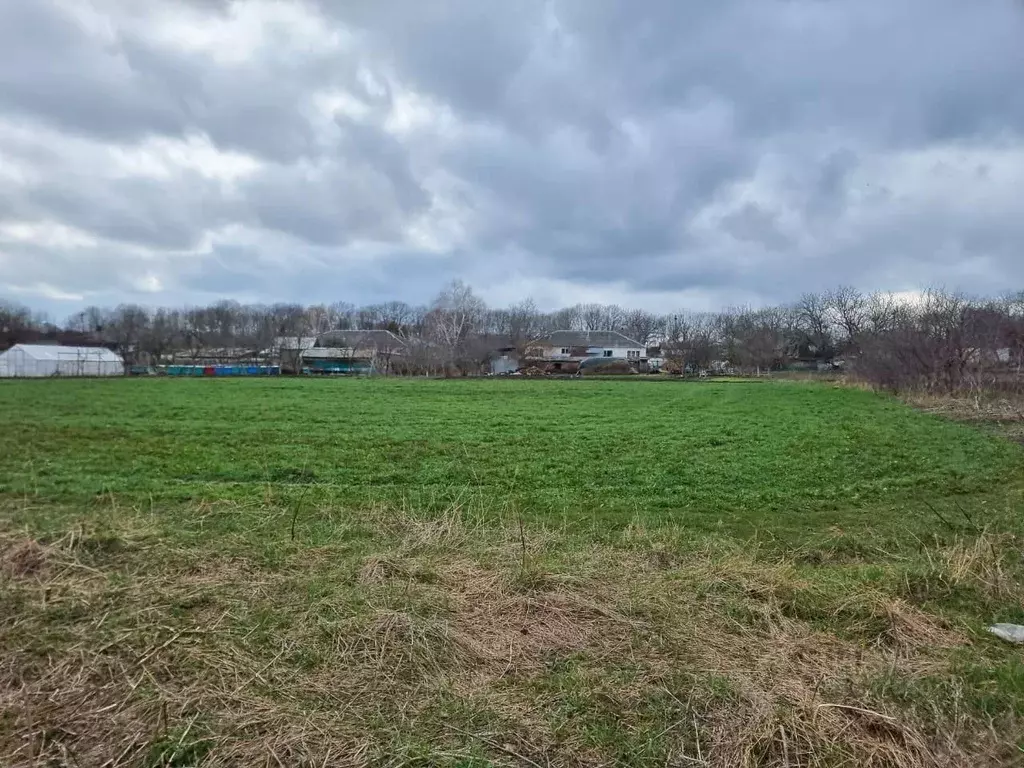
(222, 370)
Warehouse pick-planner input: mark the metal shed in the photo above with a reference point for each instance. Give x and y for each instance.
(43, 360)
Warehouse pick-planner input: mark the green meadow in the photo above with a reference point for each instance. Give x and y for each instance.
(503, 572)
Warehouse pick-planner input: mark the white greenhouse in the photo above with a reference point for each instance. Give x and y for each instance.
(40, 360)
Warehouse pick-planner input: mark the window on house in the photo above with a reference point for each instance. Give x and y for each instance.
(633, 353)
(566, 350)
(608, 353)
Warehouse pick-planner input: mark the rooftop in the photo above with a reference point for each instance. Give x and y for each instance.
(57, 352)
(590, 339)
(376, 339)
(294, 342)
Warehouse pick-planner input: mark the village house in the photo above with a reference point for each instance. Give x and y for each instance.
(564, 351)
(352, 352)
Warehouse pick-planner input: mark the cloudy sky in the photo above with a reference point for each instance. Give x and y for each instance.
(664, 153)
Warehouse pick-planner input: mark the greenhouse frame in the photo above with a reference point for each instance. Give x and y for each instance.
(45, 360)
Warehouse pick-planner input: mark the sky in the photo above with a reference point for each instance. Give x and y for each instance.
(667, 154)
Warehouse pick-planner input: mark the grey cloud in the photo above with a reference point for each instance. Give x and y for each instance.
(919, 69)
(120, 88)
(231, 271)
(315, 276)
(465, 52)
(753, 224)
(666, 146)
(136, 211)
(366, 191)
(111, 272)
(584, 208)
(828, 194)
(50, 67)
(679, 273)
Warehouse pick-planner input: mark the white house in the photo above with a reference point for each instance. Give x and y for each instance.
(565, 350)
(42, 360)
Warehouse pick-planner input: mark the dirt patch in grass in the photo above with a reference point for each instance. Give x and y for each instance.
(510, 629)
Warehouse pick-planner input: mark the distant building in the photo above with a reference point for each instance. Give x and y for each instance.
(655, 358)
(331, 360)
(45, 360)
(360, 341)
(218, 356)
(504, 360)
(352, 352)
(287, 351)
(563, 351)
(294, 342)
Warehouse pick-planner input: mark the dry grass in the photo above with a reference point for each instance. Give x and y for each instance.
(24, 559)
(1003, 413)
(153, 657)
(509, 632)
(798, 703)
(982, 407)
(981, 561)
(800, 695)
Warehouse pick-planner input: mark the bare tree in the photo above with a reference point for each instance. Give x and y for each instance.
(128, 325)
(614, 317)
(161, 336)
(567, 319)
(342, 314)
(1012, 339)
(758, 340)
(91, 320)
(15, 321)
(593, 317)
(941, 341)
(385, 350)
(691, 341)
(849, 309)
(320, 319)
(884, 312)
(640, 325)
(812, 326)
(525, 325)
(453, 318)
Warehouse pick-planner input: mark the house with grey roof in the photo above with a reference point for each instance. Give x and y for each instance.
(352, 352)
(564, 351)
(360, 341)
(287, 351)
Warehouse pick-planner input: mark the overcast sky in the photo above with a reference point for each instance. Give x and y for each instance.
(664, 153)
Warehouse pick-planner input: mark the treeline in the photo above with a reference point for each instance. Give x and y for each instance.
(938, 340)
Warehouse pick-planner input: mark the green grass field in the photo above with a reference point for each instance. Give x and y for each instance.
(499, 572)
(743, 457)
